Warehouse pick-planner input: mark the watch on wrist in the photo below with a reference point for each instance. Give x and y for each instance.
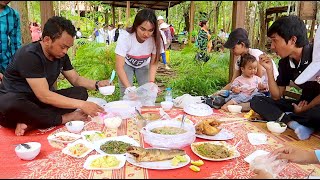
(97, 86)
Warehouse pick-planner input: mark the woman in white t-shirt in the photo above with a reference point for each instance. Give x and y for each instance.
(137, 51)
(239, 44)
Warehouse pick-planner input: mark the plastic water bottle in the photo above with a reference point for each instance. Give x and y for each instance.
(168, 96)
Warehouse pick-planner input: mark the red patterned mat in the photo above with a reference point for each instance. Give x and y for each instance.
(52, 163)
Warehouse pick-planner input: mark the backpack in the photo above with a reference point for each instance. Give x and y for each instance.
(214, 101)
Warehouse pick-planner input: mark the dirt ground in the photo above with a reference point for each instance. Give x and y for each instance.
(163, 72)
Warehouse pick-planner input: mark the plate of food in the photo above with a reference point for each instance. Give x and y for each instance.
(64, 137)
(92, 136)
(78, 149)
(198, 109)
(214, 150)
(179, 118)
(114, 145)
(221, 136)
(104, 162)
(157, 158)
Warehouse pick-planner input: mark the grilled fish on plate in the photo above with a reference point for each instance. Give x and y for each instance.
(148, 155)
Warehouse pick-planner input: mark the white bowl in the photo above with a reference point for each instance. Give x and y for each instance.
(176, 141)
(166, 105)
(234, 108)
(75, 126)
(28, 154)
(124, 108)
(113, 122)
(275, 127)
(107, 90)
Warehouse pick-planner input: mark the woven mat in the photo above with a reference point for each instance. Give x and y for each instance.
(52, 163)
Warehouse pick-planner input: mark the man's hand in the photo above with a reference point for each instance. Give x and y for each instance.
(266, 62)
(301, 107)
(296, 155)
(92, 109)
(1, 76)
(104, 83)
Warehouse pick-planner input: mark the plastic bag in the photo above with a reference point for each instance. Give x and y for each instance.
(268, 163)
(146, 94)
(186, 99)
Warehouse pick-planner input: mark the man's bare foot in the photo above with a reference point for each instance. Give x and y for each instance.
(21, 128)
(75, 115)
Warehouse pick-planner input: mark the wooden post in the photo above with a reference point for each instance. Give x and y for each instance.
(238, 21)
(113, 16)
(128, 14)
(167, 15)
(191, 21)
(46, 10)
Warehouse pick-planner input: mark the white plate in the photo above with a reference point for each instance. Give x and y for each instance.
(200, 109)
(88, 145)
(89, 160)
(125, 139)
(221, 136)
(54, 137)
(230, 148)
(160, 165)
(84, 133)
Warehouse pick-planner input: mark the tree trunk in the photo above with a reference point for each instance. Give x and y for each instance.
(217, 16)
(262, 39)
(251, 21)
(120, 14)
(22, 8)
(224, 16)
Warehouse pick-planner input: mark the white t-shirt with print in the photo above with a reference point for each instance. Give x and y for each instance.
(136, 54)
(256, 53)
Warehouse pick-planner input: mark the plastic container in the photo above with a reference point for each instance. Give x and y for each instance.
(124, 109)
(168, 96)
(176, 141)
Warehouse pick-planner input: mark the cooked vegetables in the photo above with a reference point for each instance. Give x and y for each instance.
(212, 150)
(114, 147)
(105, 162)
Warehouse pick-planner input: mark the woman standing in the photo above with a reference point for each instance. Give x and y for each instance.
(137, 51)
(202, 41)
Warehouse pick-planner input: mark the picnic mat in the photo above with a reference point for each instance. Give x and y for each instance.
(52, 163)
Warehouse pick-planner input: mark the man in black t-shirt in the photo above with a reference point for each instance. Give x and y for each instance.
(28, 99)
(289, 40)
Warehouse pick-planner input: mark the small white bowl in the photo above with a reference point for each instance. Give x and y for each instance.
(234, 108)
(107, 90)
(276, 127)
(75, 126)
(28, 154)
(166, 105)
(113, 122)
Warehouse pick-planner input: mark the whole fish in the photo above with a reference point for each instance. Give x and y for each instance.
(148, 155)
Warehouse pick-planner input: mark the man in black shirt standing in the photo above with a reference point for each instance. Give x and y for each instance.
(28, 99)
(289, 40)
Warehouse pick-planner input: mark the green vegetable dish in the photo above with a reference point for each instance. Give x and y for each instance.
(114, 147)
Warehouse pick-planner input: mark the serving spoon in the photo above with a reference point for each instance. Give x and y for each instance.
(113, 74)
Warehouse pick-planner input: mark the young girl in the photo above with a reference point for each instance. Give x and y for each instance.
(137, 51)
(247, 85)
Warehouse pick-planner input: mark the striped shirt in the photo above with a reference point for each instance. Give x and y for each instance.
(10, 35)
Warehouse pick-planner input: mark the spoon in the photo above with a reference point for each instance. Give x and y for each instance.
(113, 74)
(140, 114)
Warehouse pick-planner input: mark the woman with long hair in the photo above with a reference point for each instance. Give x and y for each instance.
(138, 50)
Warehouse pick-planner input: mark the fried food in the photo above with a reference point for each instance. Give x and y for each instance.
(208, 127)
(213, 151)
(149, 155)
